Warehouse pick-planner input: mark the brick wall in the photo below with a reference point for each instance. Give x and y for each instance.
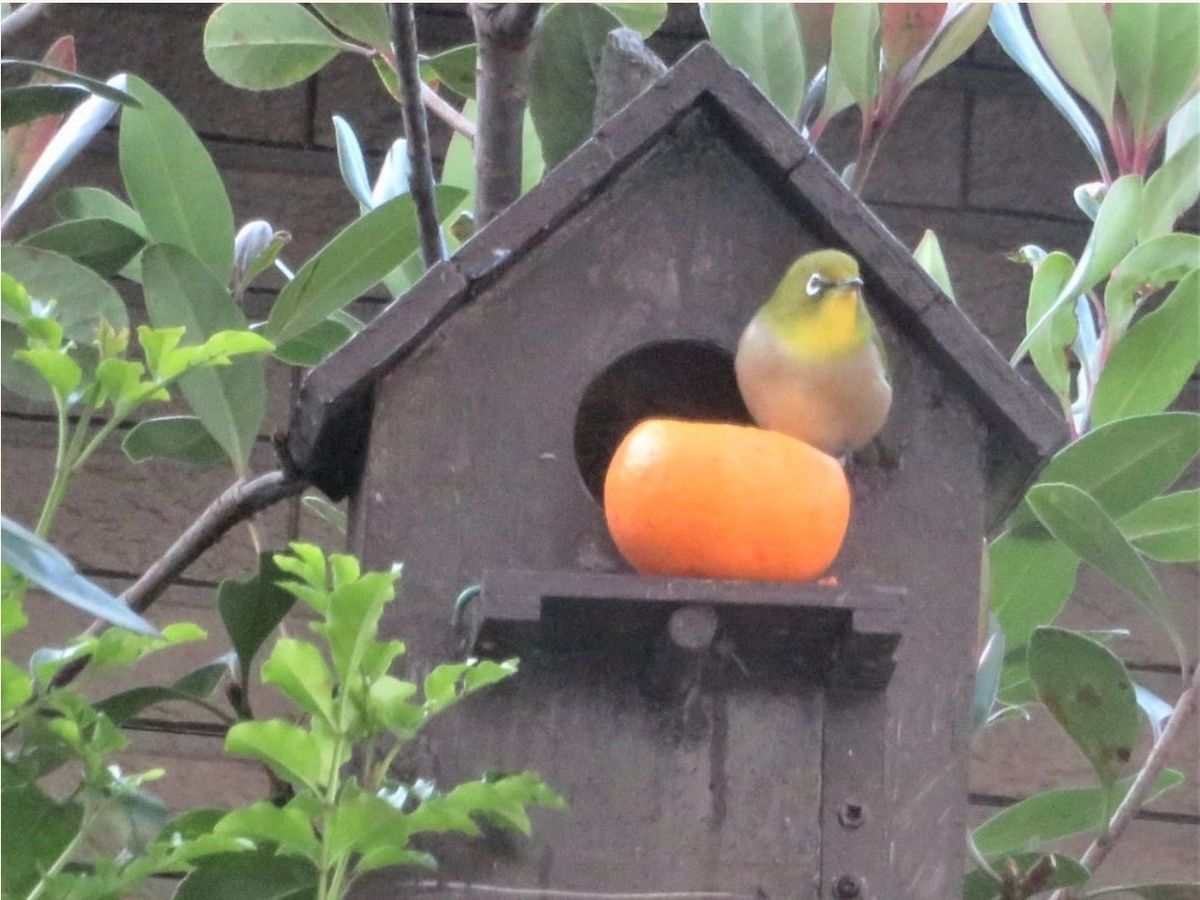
(978, 156)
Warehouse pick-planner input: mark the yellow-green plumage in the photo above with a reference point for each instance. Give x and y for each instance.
(810, 363)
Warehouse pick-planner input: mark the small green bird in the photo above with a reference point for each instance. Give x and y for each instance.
(811, 364)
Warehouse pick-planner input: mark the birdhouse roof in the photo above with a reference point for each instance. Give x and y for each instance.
(331, 418)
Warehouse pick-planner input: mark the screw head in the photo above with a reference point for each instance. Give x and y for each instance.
(851, 815)
(847, 887)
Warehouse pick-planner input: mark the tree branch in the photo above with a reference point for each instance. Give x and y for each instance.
(241, 500)
(503, 33)
(1185, 708)
(416, 130)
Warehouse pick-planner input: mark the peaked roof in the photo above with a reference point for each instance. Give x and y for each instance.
(331, 418)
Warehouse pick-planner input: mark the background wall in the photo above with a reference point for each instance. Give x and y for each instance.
(978, 156)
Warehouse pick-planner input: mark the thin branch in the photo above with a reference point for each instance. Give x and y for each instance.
(441, 108)
(23, 15)
(1185, 708)
(416, 130)
(503, 35)
(560, 894)
(241, 500)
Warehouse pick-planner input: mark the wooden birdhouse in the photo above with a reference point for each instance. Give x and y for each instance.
(748, 739)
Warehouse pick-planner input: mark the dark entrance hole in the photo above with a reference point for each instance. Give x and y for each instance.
(670, 379)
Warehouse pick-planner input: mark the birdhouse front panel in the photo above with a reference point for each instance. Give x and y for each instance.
(487, 455)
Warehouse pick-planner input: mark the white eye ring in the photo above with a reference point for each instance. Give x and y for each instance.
(816, 284)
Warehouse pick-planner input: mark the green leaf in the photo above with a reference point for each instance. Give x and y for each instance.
(103, 245)
(286, 827)
(16, 688)
(1057, 814)
(252, 609)
(92, 85)
(58, 369)
(353, 619)
(259, 874)
(644, 18)
(312, 346)
(1171, 191)
(905, 30)
(566, 59)
(82, 299)
(351, 163)
(46, 567)
(298, 669)
(1166, 528)
(855, 54)
(929, 257)
(172, 182)
(178, 438)
(1155, 68)
(763, 40)
(1087, 690)
(325, 510)
(1172, 891)
(196, 685)
(44, 831)
(978, 885)
(1125, 463)
(230, 400)
(1078, 40)
(365, 824)
(1158, 262)
(1153, 362)
(27, 102)
(357, 259)
(365, 22)
(1048, 348)
(1113, 233)
(1076, 519)
(96, 203)
(1032, 577)
(455, 68)
(1183, 126)
(291, 752)
(988, 673)
(262, 46)
(959, 31)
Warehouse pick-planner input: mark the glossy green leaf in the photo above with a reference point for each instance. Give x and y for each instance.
(1155, 68)
(260, 874)
(1048, 349)
(82, 299)
(1182, 127)
(1078, 40)
(16, 688)
(57, 368)
(196, 685)
(352, 619)
(310, 347)
(1153, 362)
(288, 750)
(1113, 234)
(1076, 519)
(1166, 528)
(364, 824)
(1156, 263)
(1056, 814)
(644, 18)
(1008, 27)
(262, 46)
(39, 831)
(960, 29)
(93, 86)
(1032, 578)
(298, 669)
(230, 400)
(357, 259)
(978, 885)
(172, 182)
(177, 438)
(763, 40)
(286, 827)
(351, 163)
(566, 59)
(103, 245)
(96, 203)
(929, 256)
(46, 567)
(25, 103)
(252, 609)
(1171, 191)
(455, 68)
(365, 22)
(1088, 692)
(855, 54)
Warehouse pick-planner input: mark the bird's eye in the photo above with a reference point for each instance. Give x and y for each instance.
(816, 284)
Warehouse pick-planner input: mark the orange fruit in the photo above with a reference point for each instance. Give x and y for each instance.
(712, 500)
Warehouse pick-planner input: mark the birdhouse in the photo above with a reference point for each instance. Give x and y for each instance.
(740, 739)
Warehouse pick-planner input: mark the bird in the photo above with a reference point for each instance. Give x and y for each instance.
(810, 363)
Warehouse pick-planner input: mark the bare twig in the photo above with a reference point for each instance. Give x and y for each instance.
(416, 130)
(437, 105)
(241, 500)
(1185, 708)
(503, 33)
(20, 17)
(560, 894)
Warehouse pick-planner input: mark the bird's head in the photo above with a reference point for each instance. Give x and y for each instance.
(818, 303)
